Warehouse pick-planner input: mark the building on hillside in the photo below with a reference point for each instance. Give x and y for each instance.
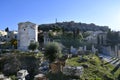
(93, 37)
(6, 39)
(46, 38)
(11, 35)
(27, 33)
(2, 35)
(102, 38)
(7, 36)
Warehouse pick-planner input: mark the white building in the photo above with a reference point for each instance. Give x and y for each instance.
(2, 35)
(93, 37)
(11, 35)
(27, 33)
(7, 36)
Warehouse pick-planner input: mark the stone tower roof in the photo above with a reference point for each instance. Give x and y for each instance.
(26, 23)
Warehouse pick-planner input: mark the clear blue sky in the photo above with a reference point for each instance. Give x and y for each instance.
(100, 12)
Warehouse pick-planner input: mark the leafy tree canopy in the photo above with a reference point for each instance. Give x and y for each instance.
(52, 51)
(14, 42)
(7, 29)
(113, 38)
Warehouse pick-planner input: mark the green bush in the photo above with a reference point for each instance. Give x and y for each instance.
(93, 69)
(52, 51)
(33, 46)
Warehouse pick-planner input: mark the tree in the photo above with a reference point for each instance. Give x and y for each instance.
(33, 46)
(52, 51)
(7, 29)
(85, 34)
(113, 38)
(14, 43)
(74, 33)
(55, 28)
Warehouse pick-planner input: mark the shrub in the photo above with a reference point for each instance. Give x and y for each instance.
(33, 46)
(52, 51)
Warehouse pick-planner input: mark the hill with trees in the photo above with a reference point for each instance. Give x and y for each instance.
(70, 26)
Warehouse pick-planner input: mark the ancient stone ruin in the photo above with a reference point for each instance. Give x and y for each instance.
(27, 33)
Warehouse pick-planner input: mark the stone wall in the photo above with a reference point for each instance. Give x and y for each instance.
(113, 51)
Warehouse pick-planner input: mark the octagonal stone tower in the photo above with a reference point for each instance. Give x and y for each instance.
(27, 33)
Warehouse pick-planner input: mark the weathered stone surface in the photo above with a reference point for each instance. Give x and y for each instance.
(27, 33)
(2, 77)
(72, 71)
(57, 66)
(44, 67)
(10, 67)
(13, 63)
(22, 74)
(40, 77)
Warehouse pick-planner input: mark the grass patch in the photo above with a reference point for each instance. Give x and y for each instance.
(97, 70)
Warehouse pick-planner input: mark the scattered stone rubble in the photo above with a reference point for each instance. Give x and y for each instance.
(22, 74)
(57, 66)
(40, 77)
(44, 67)
(73, 71)
(2, 77)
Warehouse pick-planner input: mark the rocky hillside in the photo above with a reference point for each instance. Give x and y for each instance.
(69, 26)
(11, 63)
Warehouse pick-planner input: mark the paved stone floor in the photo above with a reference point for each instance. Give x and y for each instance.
(111, 60)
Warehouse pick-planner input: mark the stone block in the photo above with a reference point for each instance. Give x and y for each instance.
(40, 77)
(73, 71)
(22, 74)
(57, 66)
